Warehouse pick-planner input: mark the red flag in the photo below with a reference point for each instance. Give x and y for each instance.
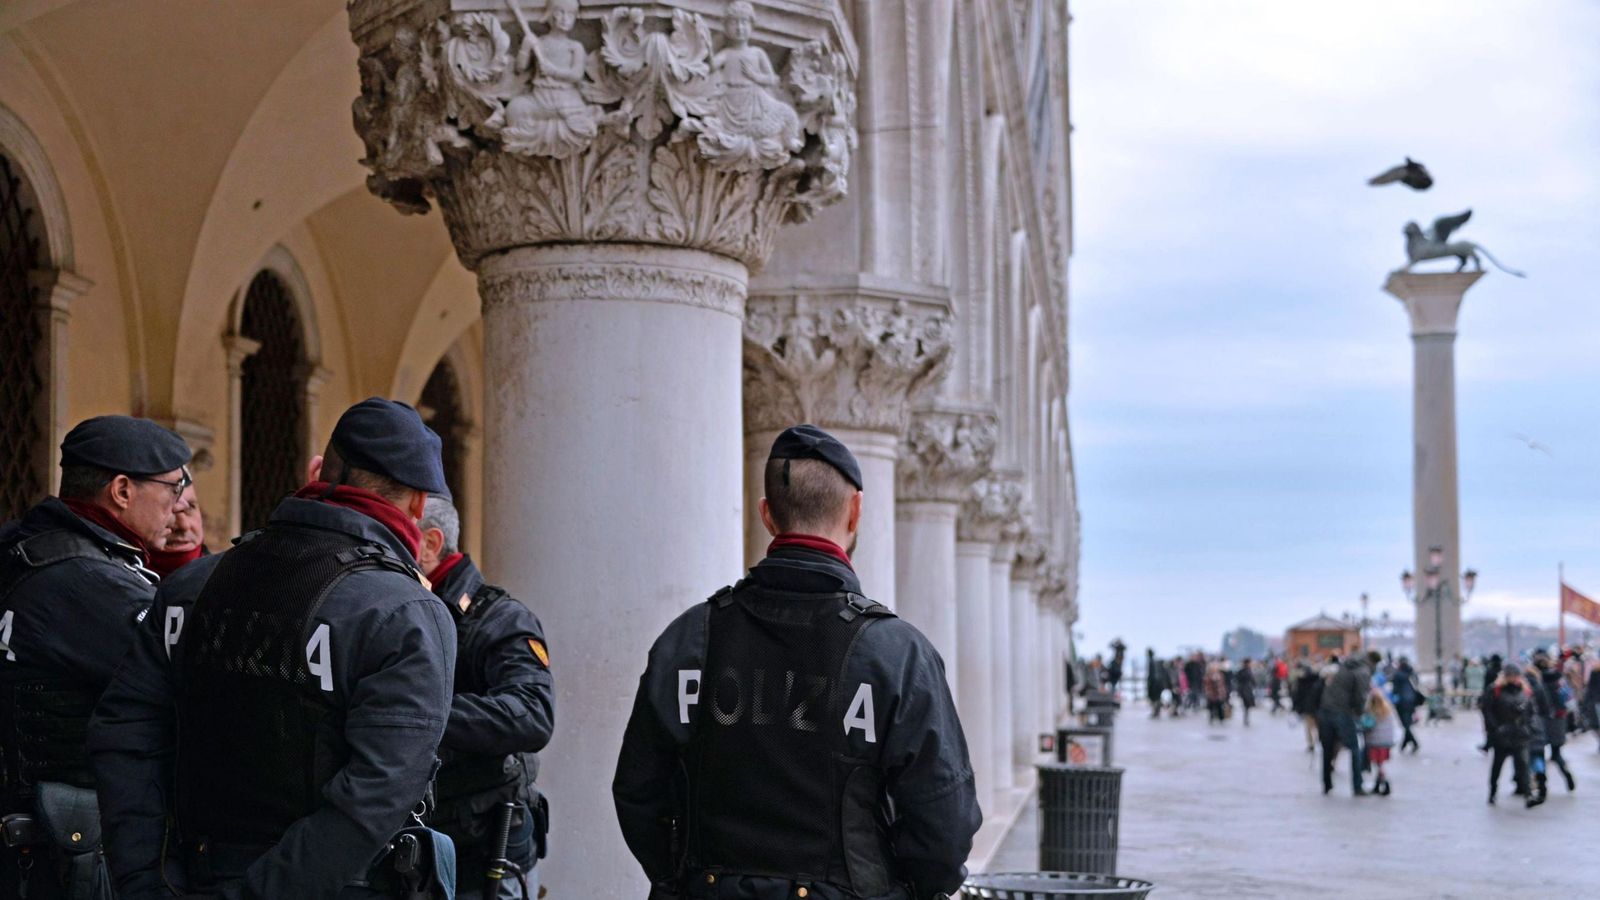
(1576, 604)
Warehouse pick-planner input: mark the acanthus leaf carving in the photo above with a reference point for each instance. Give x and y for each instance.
(841, 361)
(648, 133)
(992, 502)
(943, 453)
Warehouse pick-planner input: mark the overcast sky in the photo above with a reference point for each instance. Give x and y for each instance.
(1241, 387)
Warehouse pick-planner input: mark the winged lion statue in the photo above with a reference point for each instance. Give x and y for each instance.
(1435, 243)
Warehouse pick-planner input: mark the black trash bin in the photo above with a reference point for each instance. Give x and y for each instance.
(1054, 886)
(1079, 807)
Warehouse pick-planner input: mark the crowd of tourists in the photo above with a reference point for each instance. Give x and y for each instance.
(1365, 706)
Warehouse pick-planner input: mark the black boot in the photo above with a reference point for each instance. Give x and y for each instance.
(1567, 775)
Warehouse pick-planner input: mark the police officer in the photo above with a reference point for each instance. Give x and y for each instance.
(73, 581)
(282, 703)
(501, 715)
(791, 738)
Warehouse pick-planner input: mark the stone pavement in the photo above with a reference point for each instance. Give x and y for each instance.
(1229, 811)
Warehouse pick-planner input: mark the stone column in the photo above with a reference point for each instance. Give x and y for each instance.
(237, 348)
(982, 515)
(852, 361)
(1051, 599)
(1432, 302)
(55, 291)
(1024, 662)
(1001, 737)
(944, 453)
(612, 209)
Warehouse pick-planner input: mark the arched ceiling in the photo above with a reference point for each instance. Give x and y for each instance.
(167, 91)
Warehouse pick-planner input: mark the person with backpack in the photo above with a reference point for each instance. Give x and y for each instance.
(1551, 696)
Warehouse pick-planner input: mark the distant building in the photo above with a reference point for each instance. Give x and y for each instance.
(1244, 643)
(1321, 636)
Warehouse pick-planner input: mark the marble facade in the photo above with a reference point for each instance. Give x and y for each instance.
(664, 232)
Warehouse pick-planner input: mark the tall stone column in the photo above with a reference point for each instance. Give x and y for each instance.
(1001, 737)
(612, 178)
(1432, 302)
(1024, 652)
(851, 361)
(982, 515)
(1051, 599)
(943, 454)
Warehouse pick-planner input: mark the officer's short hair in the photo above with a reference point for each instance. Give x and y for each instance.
(83, 482)
(805, 495)
(335, 471)
(441, 514)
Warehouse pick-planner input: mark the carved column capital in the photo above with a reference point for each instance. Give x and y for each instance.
(1030, 556)
(943, 453)
(844, 359)
(647, 124)
(991, 503)
(238, 349)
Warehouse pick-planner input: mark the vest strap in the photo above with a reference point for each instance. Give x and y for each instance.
(60, 545)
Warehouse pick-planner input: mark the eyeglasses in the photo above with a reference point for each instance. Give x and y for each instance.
(177, 487)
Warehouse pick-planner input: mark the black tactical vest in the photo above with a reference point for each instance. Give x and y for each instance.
(256, 736)
(44, 719)
(774, 789)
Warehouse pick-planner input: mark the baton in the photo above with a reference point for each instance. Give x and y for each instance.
(498, 863)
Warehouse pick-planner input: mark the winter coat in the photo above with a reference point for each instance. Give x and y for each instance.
(1509, 714)
(1216, 687)
(1347, 692)
(1386, 731)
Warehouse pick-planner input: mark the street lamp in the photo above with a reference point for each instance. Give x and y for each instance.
(1364, 620)
(1435, 590)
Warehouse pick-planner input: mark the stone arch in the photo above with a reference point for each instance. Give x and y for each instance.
(42, 189)
(275, 377)
(37, 259)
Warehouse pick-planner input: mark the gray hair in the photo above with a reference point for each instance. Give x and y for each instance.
(440, 513)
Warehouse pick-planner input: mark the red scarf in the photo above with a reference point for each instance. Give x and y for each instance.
(370, 505)
(165, 562)
(810, 542)
(446, 564)
(99, 515)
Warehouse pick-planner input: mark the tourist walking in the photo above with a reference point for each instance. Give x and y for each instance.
(1381, 728)
(1508, 714)
(1304, 697)
(1550, 694)
(1343, 701)
(1244, 681)
(1276, 681)
(1407, 697)
(1591, 696)
(1155, 683)
(1194, 673)
(1216, 691)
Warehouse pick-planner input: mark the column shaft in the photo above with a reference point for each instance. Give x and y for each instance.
(1023, 672)
(975, 692)
(592, 409)
(1436, 519)
(925, 572)
(1001, 736)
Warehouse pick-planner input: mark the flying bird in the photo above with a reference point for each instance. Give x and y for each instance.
(1532, 444)
(1413, 175)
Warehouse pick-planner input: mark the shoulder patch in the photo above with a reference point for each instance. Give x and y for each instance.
(539, 651)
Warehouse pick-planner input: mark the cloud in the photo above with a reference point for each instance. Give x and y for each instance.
(1241, 385)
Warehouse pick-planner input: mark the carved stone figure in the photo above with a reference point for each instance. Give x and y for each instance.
(1435, 243)
(752, 126)
(480, 70)
(553, 119)
(944, 453)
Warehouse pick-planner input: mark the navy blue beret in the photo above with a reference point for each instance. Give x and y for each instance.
(811, 442)
(124, 445)
(388, 437)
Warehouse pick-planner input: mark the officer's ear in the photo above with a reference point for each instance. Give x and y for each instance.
(314, 469)
(119, 492)
(416, 502)
(766, 518)
(854, 523)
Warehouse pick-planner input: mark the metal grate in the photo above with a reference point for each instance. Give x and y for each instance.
(272, 401)
(21, 440)
(441, 409)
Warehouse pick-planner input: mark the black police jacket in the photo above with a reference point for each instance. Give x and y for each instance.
(391, 647)
(70, 595)
(504, 703)
(914, 736)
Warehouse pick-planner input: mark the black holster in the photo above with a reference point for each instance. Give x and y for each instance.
(65, 829)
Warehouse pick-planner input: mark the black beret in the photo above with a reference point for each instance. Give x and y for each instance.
(811, 442)
(124, 445)
(388, 437)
